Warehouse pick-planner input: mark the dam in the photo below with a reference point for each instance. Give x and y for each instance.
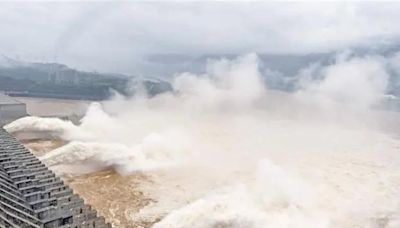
(31, 195)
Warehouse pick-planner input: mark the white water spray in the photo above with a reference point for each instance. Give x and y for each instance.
(325, 161)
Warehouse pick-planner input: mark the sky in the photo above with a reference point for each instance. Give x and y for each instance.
(113, 36)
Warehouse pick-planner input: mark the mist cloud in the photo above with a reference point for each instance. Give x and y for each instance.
(352, 81)
(324, 161)
(205, 140)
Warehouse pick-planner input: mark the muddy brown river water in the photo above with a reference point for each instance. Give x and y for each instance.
(114, 196)
(315, 175)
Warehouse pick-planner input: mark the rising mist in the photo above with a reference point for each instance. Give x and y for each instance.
(244, 155)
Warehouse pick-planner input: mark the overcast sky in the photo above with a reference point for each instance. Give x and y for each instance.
(110, 36)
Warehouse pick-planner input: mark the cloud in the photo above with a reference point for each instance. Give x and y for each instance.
(110, 36)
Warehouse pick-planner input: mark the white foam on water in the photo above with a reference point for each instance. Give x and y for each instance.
(326, 160)
(274, 200)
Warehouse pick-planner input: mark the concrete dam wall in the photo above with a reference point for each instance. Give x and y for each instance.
(31, 195)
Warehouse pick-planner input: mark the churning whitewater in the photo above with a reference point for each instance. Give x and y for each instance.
(225, 151)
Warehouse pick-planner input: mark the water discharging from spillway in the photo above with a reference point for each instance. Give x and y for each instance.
(224, 151)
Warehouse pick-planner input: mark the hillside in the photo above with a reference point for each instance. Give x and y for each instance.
(60, 81)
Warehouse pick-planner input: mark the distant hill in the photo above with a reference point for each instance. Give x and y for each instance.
(60, 81)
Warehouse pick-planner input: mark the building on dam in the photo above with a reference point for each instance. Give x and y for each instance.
(10, 109)
(32, 196)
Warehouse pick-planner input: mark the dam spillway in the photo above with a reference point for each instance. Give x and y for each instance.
(31, 195)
